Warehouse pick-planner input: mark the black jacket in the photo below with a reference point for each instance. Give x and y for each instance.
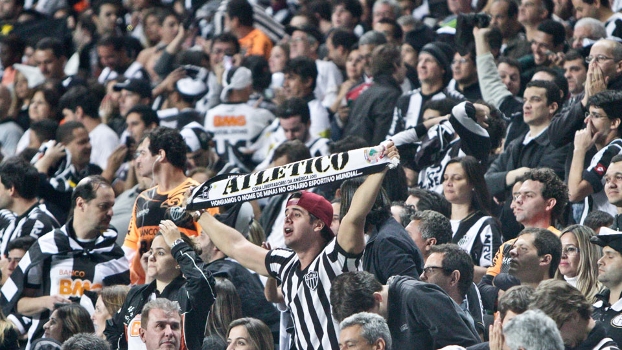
(565, 124)
(422, 316)
(536, 154)
(250, 289)
(195, 294)
(390, 252)
(372, 112)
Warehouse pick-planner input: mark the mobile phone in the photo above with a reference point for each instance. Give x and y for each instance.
(129, 143)
(227, 62)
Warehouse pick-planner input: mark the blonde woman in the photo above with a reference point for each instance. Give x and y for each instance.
(109, 301)
(8, 334)
(579, 262)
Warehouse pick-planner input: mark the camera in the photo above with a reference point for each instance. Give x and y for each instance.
(479, 20)
(129, 143)
(464, 40)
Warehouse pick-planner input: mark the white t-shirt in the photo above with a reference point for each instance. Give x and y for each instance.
(103, 142)
(236, 125)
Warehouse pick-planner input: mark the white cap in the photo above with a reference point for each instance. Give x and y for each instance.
(32, 74)
(241, 78)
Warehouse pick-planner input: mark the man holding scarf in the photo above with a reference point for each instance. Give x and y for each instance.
(315, 255)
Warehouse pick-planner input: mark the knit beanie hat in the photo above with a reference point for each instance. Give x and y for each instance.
(444, 54)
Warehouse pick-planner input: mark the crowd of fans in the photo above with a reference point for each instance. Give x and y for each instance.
(500, 228)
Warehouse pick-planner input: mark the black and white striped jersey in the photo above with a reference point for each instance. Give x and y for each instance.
(307, 292)
(408, 109)
(35, 222)
(58, 264)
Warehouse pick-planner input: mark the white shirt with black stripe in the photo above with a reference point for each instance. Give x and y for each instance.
(307, 292)
(35, 222)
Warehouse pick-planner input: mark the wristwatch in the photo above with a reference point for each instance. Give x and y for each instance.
(176, 242)
(196, 215)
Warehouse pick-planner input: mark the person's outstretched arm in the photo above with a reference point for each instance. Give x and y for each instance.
(233, 244)
(351, 236)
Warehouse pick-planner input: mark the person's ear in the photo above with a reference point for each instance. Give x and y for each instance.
(314, 46)
(161, 156)
(307, 82)
(379, 344)
(79, 112)
(553, 108)
(550, 204)
(80, 203)
(455, 277)
(318, 225)
(378, 298)
(615, 124)
(546, 259)
(143, 335)
(430, 242)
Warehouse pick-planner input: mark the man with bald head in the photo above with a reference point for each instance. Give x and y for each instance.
(604, 73)
(586, 31)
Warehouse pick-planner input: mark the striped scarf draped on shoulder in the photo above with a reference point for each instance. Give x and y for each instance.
(55, 243)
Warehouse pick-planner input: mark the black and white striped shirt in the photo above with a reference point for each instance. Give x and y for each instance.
(7, 220)
(409, 108)
(57, 264)
(35, 222)
(307, 292)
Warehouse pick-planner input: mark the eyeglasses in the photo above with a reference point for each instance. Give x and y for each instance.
(299, 39)
(460, 61)
(570, 250)
(222, 51)
(428, 270)
(599, 59)
(594, 115)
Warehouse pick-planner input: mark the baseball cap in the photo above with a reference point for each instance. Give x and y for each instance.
(196, 137)
(191, 88)
(314, 204)
(139, 86)
(608, 238)
(237, 78)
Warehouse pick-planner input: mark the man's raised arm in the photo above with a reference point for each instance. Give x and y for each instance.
(351, 236)
(233, 244)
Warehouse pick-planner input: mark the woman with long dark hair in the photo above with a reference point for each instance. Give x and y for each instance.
(225, 310)
(474, 230)
(66, 321)
(249, 334)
